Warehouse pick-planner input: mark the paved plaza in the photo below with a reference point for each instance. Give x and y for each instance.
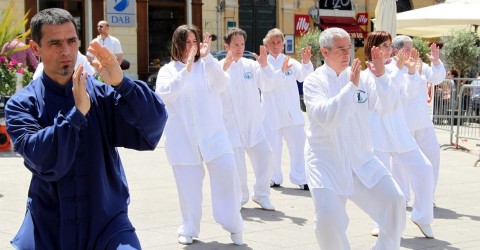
(155, 212)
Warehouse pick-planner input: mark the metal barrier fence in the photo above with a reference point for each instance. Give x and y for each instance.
(458, 113)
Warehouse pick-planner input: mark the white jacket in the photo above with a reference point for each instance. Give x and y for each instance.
(195, 129)
(242, 110)
(416, 110)
(282, 104)
(390, 131)
(339, 143)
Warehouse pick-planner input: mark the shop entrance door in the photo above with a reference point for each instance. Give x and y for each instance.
(162, 22)
(256, 18)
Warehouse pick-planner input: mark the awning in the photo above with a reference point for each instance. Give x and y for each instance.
(349, 24)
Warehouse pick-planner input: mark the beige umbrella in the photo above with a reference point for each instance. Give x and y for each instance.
(437, 20)
(386, 16)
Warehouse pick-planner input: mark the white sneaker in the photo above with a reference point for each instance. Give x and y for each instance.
(264, 203)
(425, 229)
(237, 238)
(185, 239)
(375, 232)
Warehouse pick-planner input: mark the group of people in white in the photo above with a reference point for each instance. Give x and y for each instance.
(370, 137)
(217, 115)
(366, 128)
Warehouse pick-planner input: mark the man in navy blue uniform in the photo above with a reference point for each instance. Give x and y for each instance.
(67, 125)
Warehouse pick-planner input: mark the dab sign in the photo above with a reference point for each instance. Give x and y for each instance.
(121, 12)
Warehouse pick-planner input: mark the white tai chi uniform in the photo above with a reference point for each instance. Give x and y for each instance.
(243, 115)
(392, 141)
(339, 158)
(195, 133)
(420, 125)
(110, 42)
(284, 118)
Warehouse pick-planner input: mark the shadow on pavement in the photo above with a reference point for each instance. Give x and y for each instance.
(292, 191)
(413, 243)
(263, 216)
(444, 213)
(200, 245)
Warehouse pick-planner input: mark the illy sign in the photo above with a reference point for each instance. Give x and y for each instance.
(302, 23)
(362, 18)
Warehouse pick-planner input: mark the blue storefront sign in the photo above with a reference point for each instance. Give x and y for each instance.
(122, 12)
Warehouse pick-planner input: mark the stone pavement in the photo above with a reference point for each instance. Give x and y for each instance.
(154, 208)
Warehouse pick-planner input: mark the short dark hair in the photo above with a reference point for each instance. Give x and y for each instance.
(52, 16)
(375, 38)
(179, 40)
(234, 32)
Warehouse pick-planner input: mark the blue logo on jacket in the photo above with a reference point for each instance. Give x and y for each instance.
(289, 72)
(361, 96)
(247, 75)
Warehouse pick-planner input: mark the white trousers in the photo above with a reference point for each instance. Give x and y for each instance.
(384, 203)
(225, 191)
(260, 157)
(428, 143)
(420, 174)
(295, 138)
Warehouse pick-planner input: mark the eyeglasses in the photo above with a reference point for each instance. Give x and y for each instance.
(386, 46)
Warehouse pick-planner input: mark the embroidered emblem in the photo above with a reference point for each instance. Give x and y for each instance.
(247, 75)
(361, 96)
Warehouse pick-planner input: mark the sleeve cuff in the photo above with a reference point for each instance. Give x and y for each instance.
(125, 87)
(208, 58)
(437, 66)
(76, 118)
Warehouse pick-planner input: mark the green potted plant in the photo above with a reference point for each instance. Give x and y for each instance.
(422, 48)
(11, 28)
(310, 39)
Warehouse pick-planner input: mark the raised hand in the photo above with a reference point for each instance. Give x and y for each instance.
(306, 54)
(412, 61)
(191, 58)
(262, 59)
(355, 75)
(401, 58)
(434, 54)
(285, 65)
(79, 90)
(377, 65)
(419, 65)
(106, 64)
(228, 61)
(205, 46)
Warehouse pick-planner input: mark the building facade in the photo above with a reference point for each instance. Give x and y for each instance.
(146, 39)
